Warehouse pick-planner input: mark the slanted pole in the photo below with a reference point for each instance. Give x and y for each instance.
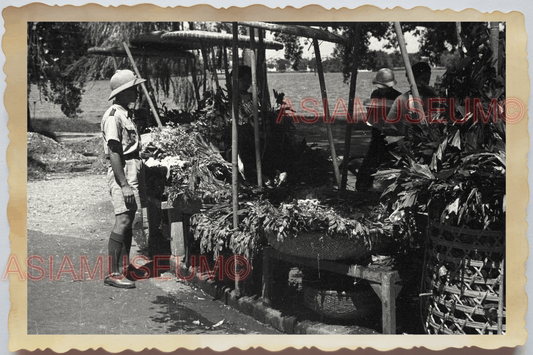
(143, 86)
(234, 137)
(326, 112)
(257, 141)
(407, 63)
(351, 99)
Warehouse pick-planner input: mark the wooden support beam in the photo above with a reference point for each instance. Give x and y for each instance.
(143, 86)
(351, 99)
(257, 142)
(234, 135)
(407, 63)
(326, 113)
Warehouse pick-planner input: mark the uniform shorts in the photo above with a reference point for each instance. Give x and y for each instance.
(134, 172)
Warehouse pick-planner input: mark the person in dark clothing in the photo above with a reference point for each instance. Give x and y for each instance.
(377, 150)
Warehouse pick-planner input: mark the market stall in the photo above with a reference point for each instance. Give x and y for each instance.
(206, 201)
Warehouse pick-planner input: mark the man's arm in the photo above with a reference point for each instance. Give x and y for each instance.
(115, 158)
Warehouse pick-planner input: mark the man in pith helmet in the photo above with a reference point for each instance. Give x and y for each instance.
(125, 175)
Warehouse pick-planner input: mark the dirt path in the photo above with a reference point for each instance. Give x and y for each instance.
(76, 206)
(69, 217)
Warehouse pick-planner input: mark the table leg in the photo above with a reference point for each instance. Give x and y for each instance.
(267, 277)
(388, 303)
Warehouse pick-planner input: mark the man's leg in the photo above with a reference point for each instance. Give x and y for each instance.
(118, 247)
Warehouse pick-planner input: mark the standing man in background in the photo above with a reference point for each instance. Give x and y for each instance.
(377, 150)
(125, 174)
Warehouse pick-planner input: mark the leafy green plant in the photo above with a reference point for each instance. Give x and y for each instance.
(454, 171)
(213, 229)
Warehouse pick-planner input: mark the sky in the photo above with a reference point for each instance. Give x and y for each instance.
(326, 48)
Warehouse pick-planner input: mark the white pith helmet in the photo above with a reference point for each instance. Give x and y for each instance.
(122, 80)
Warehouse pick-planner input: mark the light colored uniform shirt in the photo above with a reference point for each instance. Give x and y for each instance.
(117, 125)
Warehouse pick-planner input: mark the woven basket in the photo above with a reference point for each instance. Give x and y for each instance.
(340, 304)
(463, 285)
(320, 245)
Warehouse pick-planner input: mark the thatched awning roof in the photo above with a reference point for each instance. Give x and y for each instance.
(297, 30)
(188, 40)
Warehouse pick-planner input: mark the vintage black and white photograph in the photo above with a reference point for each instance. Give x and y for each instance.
(269, 178)
(312, 178)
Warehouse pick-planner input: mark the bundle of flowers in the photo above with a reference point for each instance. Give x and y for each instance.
(195, 169)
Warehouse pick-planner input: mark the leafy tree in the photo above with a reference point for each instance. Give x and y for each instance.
(293, 48)
(52, 49)
(282, 64)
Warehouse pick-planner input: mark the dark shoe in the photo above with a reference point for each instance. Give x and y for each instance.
(135, 274)
(118, 280)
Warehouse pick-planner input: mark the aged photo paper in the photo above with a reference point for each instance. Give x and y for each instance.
(78, 313)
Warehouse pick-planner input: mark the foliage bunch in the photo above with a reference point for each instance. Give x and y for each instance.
(450, 171)
(52, 48)
(203, 176)
(213, 229)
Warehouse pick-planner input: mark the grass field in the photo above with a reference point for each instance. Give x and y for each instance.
(296, 86)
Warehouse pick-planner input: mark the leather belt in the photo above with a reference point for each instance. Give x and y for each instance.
(129, 156)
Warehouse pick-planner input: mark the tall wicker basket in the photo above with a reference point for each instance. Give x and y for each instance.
(463, 284)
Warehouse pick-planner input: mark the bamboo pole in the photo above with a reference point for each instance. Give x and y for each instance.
(501, 299)
(326, 112)
(143, 86)
(235, 137)
(265, 95)
(255, 108)
(351, 99)
(405, 56)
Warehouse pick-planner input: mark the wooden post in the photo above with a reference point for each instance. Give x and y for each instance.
(265, 95)
(501, 298)
(234, 138)
(255, 108)
(408, 69)
(143, 86)
(267, 277)
(351, 99)
(388, 303)
(326, 112)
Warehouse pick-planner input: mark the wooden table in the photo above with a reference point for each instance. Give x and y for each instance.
(384, 282)
(178, 220)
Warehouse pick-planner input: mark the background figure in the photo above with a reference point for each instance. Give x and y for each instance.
(377, 151)
(400, 109)
(246, 129)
